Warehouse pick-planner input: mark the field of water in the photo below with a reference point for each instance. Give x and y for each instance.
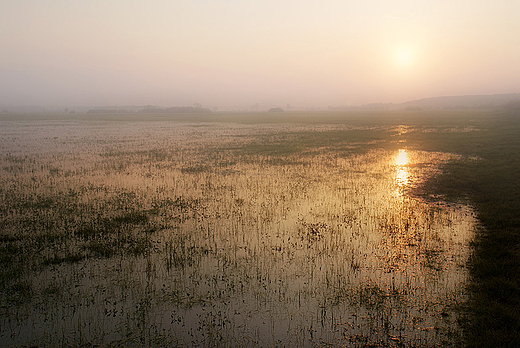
(233, 234)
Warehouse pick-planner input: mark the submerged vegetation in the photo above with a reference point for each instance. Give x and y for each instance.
(279, 230)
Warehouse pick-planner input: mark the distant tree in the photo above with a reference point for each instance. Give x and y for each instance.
(107, 111)
(176, 110)
(275, 110)
(255, 107)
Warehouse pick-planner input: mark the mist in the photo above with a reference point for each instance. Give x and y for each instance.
(231, 55)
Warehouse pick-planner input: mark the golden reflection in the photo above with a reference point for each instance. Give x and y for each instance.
(401, 158)
(401, 161)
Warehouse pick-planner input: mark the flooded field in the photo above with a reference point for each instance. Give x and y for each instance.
(224, 234)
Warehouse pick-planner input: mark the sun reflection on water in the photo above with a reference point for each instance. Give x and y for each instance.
(401, 162)
(401, 158)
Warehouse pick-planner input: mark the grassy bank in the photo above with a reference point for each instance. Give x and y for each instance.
(489, 176)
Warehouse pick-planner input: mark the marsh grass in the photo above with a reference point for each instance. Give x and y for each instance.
(226, 232)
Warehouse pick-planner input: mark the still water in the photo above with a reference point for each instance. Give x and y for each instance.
(177, 234)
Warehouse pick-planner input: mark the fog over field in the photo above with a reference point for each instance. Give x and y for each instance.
(245, 54)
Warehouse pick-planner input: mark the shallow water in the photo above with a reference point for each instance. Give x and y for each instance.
(164, 233)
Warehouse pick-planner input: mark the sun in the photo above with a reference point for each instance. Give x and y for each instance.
(404, 57)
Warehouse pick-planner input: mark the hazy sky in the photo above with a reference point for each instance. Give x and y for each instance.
(234, 53)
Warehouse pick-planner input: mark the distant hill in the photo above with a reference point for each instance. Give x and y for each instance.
(511, 100)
